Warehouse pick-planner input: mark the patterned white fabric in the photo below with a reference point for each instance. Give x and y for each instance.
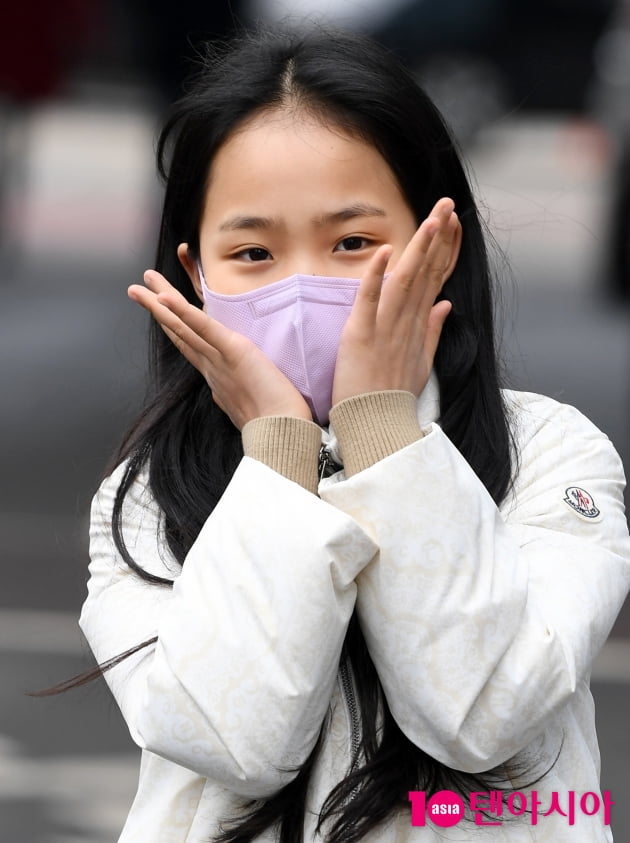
(482, 623)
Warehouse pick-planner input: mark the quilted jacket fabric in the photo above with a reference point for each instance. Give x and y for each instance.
(482, 622)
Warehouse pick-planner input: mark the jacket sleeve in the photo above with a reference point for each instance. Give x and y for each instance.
(249, 637)
(482, 622)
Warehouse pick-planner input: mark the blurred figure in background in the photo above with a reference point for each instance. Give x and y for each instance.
(610, 103)
(39, 41)
(39, 44)
(75, 60)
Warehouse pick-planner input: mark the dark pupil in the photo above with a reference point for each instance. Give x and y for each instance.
(258, 254)
(352, 243)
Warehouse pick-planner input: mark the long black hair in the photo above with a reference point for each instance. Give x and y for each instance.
(190, 445)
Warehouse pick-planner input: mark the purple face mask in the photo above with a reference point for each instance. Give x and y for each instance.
(297, 322)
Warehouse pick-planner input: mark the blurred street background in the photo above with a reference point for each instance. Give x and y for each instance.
(539, 96)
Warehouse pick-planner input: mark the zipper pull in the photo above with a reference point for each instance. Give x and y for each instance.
(326, 465)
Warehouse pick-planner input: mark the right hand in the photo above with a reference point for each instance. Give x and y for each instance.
(244, 382)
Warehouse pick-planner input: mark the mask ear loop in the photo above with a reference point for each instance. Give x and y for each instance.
(202, 277)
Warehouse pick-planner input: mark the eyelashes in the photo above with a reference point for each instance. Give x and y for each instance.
(352, 244)
(255, 254)
(259, 254)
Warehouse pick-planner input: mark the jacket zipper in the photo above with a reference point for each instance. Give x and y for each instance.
(326, 464)
(351, 704)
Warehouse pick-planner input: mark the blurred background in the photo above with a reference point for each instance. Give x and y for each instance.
(539, 96)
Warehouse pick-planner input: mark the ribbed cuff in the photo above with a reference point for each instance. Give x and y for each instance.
(372, 426)
(286, 444)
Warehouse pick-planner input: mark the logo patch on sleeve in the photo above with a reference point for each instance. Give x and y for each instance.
(581, 501)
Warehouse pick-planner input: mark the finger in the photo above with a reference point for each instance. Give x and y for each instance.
(443, 222)
(195, 357)
(438, 262)
(405, 274)
(421, 246)
(156, 282)
(401, 294)
(145, 298)
(207, 329)
(211, 331)
(443, 208)
(423, 268)
(181, 334)
(369, 292)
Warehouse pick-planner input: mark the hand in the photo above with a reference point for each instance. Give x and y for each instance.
(392, 334)
(244, 382)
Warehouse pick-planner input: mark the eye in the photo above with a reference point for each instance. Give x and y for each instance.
(255, 254)
(351, 244)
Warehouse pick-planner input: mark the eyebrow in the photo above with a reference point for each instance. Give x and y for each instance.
(247, 221)
(358, 209)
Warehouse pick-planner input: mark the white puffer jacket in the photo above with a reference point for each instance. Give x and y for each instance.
(482, 623)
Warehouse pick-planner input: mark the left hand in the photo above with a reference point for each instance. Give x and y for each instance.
(392, 334)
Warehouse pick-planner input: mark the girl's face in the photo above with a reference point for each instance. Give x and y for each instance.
(288, 195)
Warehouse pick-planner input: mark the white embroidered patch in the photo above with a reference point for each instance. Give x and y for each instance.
(581, 501)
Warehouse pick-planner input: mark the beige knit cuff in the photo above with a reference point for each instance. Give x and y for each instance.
(372, 426)
(287, 444)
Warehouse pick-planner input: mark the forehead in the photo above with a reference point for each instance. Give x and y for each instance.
(277, 154)
(291, 121)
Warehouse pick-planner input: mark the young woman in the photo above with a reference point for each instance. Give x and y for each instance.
(334, 563)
